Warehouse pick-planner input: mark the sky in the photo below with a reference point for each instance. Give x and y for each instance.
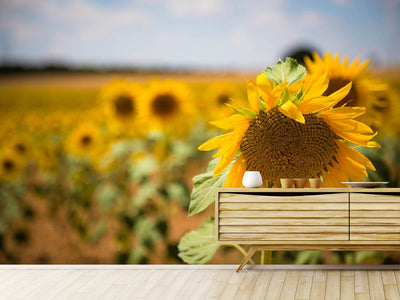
(203, 34)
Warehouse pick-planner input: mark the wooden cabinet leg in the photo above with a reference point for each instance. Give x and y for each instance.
(249, 254)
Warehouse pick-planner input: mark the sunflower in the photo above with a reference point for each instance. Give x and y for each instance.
(167, 106)
(21, 146)
(365, 91)
(387, 108)
(120, 101)
(289, 135)
(11, 166)
(84, 140)
(217, 95)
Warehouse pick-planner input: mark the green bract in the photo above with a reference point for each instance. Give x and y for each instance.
(289, 71)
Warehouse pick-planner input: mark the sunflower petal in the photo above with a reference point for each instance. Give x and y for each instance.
(317, 104)
(334, 176)
(230, 148)
(348, 125)
(372, 144)
(346, 112)
(307, 60)
(236, 173)
(319, 87)
(361, 69)
(213, 143)
(340, 94)
(353, 169)
(263, 82)
(290, 110)
(252, 95)
(230, 122)
(355, 138)
(275, 95)
(226, 159)
(354, 155)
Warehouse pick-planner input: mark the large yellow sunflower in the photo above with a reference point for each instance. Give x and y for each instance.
(85, 140)
(366, 90)
(289, 135)
(167, 105)
(11, 166)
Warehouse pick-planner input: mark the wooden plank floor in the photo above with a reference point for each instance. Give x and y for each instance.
(200, 282)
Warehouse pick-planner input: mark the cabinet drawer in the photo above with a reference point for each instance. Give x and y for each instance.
(319, 198)
(376, 198)
(246, 217)
(245, 237)
(374, 217)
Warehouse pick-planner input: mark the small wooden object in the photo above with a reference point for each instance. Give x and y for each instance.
(314, 182)
(299, 182)
(343, 219)
(286, 183)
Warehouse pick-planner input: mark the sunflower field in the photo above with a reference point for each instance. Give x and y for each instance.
(109, 172)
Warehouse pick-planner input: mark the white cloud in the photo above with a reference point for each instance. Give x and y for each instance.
(75, 20)
(67, 29)
(190, 8)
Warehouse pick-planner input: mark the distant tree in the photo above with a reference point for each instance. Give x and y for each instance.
(299, 52)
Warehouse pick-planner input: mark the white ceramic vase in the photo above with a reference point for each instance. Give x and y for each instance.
(252, 179)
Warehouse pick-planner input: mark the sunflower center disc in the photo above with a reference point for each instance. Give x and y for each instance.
(280, 147)
(86, 140)
(20, 148)
(124, 105)
(164, 105)
(222, 99)
(8, 165)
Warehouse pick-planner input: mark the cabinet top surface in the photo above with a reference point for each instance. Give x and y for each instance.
(308, 190)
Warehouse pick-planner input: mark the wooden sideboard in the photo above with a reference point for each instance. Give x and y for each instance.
(309, 219)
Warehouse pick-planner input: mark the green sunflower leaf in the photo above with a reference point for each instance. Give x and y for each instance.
(198, 247)
(205, 185)
(282, 72)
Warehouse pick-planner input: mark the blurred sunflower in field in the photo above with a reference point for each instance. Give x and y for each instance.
(167, 106)
(33, 123)
(22, 146)
(11, 166)
(217, 95)
(84, 140)
(297, 134)
(120, 101)
(47, 156)
(365, 90)
(388, 105)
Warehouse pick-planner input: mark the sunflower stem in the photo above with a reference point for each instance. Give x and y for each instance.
(262, 257)
(269, 257)
(266, 257)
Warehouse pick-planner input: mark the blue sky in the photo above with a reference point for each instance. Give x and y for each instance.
(203, 34)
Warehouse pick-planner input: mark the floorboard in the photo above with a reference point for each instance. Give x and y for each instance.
(200, 282)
